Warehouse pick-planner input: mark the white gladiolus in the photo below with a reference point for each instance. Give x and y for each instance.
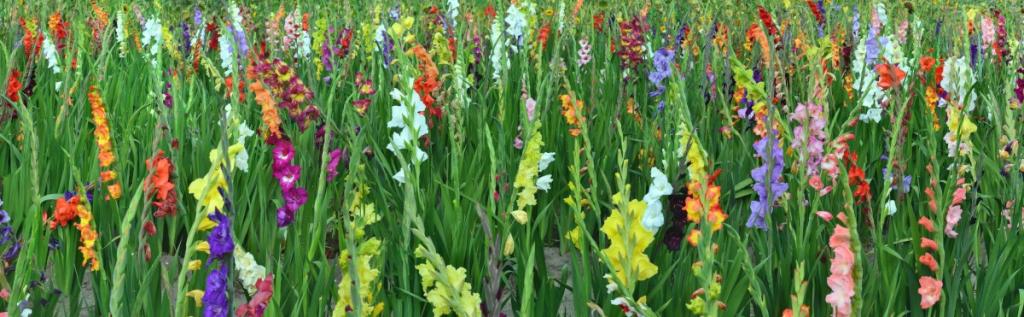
(545, 159)
(957, 79)
(561, 16)
(50, 52)
(453, 13)
(304, 45)
(242, 158)
(236, 15)
(121, 36)
(226, 59)
(544, 182)
(152, 35)
(516, 26)
(653, 219)
(248, 270)
(498, 59)
(401, 117)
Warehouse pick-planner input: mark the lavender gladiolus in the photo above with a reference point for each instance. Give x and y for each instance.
(768, 186)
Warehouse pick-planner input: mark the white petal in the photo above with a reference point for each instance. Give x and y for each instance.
(400, 176)
(653, 218)
(544, 182)
(545, 159)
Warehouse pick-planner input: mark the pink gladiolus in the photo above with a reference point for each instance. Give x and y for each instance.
(827, 216)
(931, 291)
(841, 280)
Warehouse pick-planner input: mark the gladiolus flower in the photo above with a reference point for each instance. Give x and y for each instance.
(841, 280)
(889, 75)
(931, 291)
(203, 246)
(824, 215)
(927, 224)
(929, 244)
(928, 260)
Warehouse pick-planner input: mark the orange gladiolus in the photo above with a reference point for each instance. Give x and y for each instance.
(929, 244)
(426, 84)
(889, 75)
(928, 260)
(65, 211)
(159, 186)
(569, 111)
(266, 102)
(103, 142)
(926, 224)
(927, 63)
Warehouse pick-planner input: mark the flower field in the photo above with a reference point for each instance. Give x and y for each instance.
(523, 158)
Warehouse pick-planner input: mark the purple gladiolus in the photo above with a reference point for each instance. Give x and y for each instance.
(855, 26)
(4, 216)
(215, 297)
(386, 46)
(243, 44)
(12, 252)
(186, 43)
(325, 57)
(332, 165)
(681, 35)
(283, 153)
(662, 69)
(293, 199)
(1018, 91)
(168, 99)
(287, 175)
(6, 233)
(197, 16)
(220, 240)
(768, 188)
(872, 46)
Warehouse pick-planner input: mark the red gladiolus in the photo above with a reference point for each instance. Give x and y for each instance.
(426, 84)
(256, 306)
(489, 11)
(542, 36)
(13, 87)
(149, 228)
(817, 12)
(214, 31)
(766, 18)
(58, 27)
(159, 187)
(927, 63)
(857, 179)
(32, 40)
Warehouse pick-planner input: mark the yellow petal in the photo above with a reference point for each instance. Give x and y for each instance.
(520, 216)
(203, 247)
(510, 246)
(197, 295)
(206, 224)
